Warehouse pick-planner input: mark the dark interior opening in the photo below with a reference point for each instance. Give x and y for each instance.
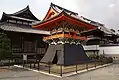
(57, 55)
(55, 59)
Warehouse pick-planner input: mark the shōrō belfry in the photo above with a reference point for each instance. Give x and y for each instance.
(64, 40)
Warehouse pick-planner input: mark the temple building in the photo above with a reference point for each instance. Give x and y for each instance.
(64, 40)
(24, 39)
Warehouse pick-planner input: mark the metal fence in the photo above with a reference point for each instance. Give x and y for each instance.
(60, 69)
(53, 68)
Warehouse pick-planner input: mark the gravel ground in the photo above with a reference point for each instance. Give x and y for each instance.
(106, 73)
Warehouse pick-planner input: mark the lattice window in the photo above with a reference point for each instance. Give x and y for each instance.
(29, 46)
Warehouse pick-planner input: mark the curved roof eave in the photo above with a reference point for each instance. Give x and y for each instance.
(62, 13)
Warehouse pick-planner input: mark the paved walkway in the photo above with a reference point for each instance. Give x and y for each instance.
(106, 73)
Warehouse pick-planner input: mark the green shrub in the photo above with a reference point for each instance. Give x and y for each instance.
(93, 56)
(5, 47)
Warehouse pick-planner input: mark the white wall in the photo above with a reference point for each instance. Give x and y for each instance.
(91, 47)
(109, 50)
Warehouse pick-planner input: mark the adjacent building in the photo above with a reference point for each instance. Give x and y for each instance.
(24, 38)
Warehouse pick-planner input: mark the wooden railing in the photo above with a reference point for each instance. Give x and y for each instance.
(64, 36)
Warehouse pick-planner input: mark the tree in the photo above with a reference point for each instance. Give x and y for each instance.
(5, 47)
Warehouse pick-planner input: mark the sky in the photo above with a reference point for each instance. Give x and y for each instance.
(103, 11)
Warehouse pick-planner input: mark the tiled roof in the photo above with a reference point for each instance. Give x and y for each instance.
(20, 18)
(24, 14)
(100, 28)
(16, 17)
(27, 9)
(21, 11)
(59, 9)
(105, 30)
(22, 28)
(66, 14)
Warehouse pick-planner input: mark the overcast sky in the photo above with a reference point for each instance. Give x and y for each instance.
(103, 11)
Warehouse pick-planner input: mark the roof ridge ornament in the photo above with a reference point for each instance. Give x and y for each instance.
(28, 7)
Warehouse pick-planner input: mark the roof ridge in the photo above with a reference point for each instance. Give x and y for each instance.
(63, 8)
(22, 10)
(92, 21)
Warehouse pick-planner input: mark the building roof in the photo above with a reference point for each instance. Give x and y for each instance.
(62, 16)
(24, 14)
(105, 30)
(16, 17)
(21, 11)
(99, 29)
(21, 28)
(55, 9)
